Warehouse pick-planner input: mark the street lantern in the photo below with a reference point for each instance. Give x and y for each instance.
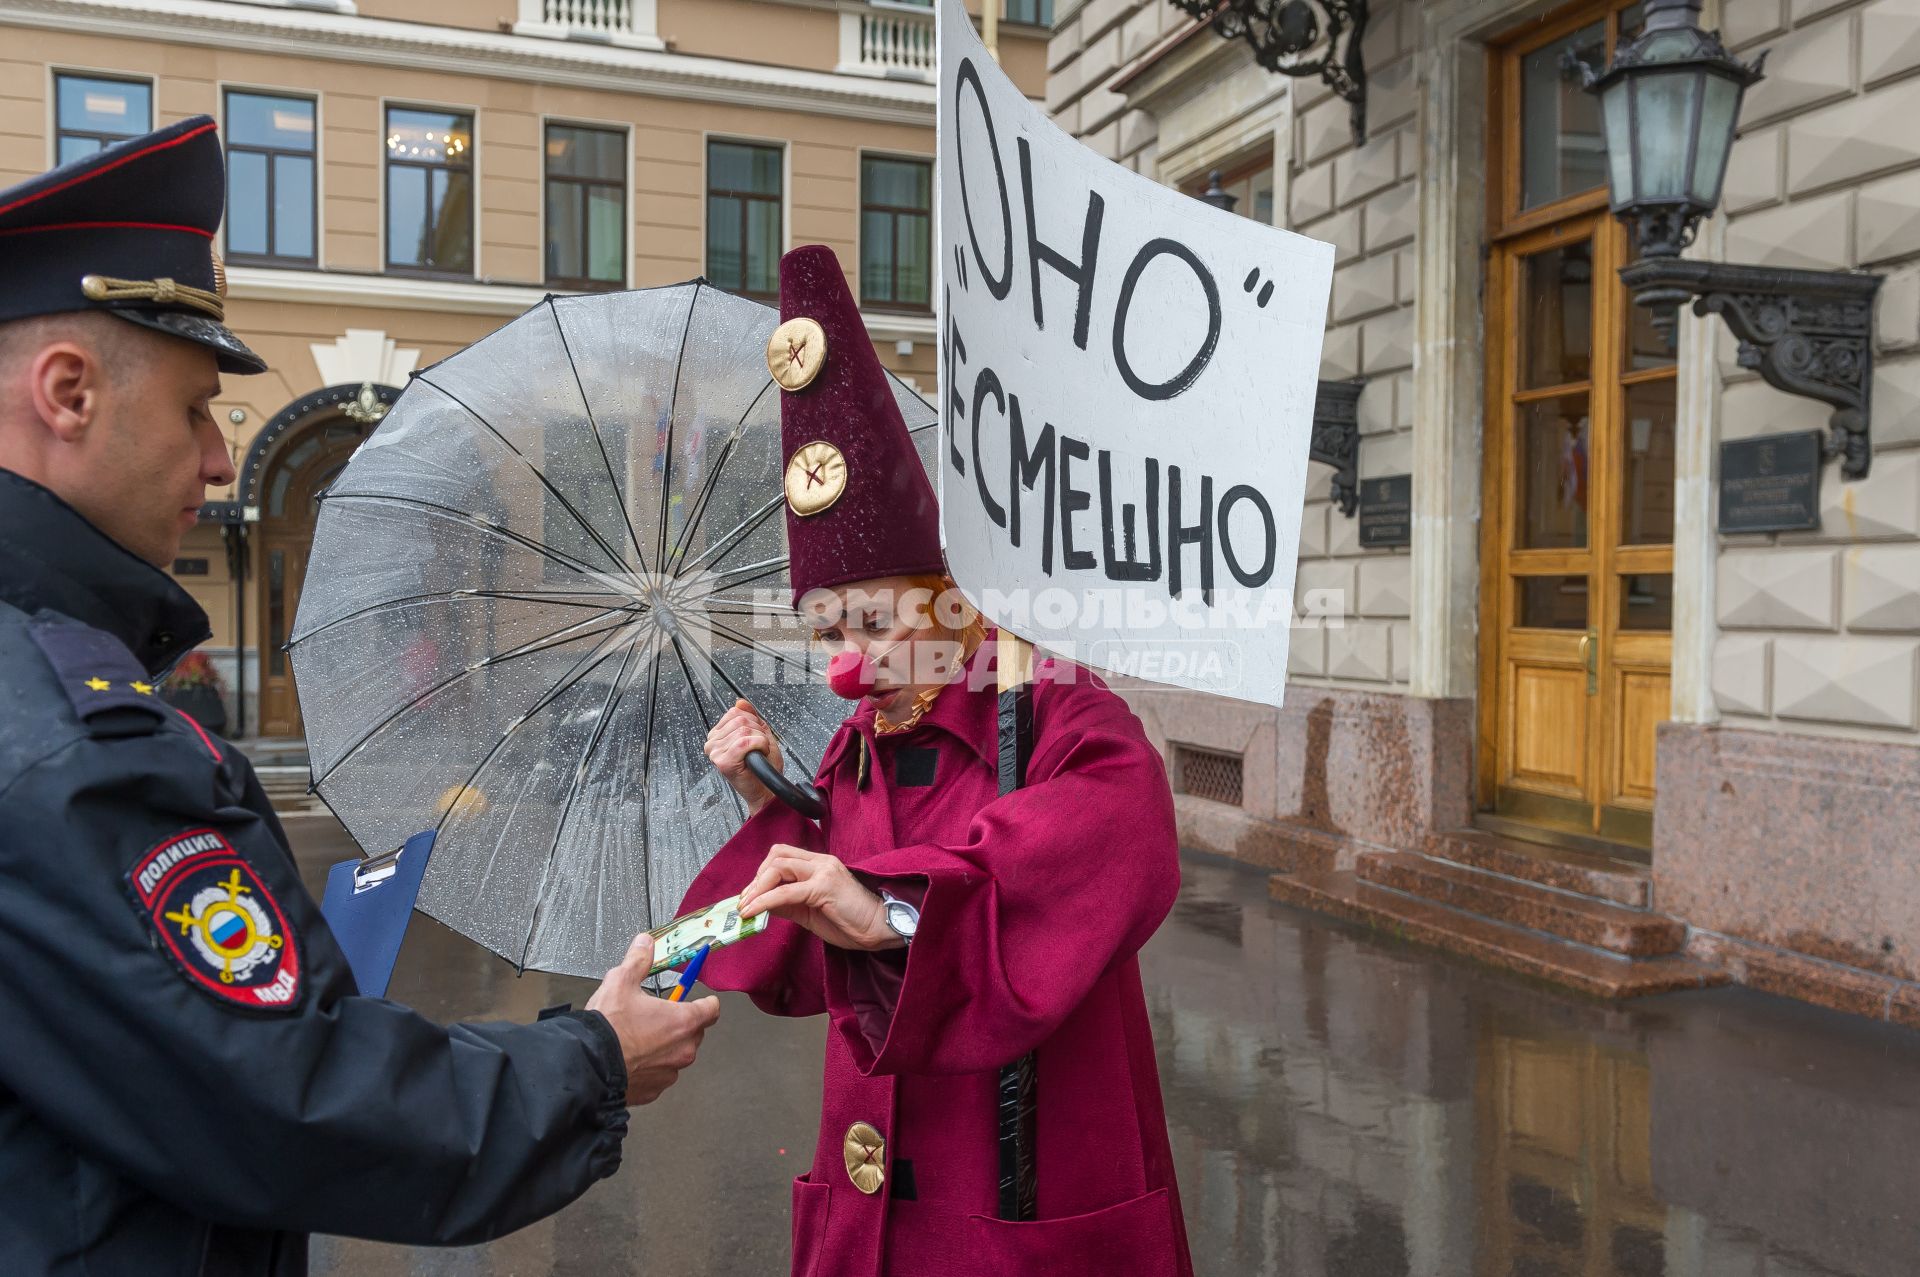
(1217, 195)
(1669, 105)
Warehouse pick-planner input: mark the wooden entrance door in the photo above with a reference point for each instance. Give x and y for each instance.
(1577, 564)
(289, 506)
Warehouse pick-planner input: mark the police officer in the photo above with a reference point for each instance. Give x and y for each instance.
(188, 1082)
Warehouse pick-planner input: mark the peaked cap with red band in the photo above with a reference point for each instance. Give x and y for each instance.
(127, 230)
(859, 505)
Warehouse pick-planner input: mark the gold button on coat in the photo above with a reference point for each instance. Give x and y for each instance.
(866, 1158)
(816, 476)
(796, 353)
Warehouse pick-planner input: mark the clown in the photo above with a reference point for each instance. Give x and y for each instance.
(945, 929)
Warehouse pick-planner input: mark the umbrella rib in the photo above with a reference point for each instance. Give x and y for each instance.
(706, 719)
(785, 748)
(759, 516)
(740, 533)
(744, 607)
(614, 694)
(753, 572)
(700, 504)
(673, 411)
(620, 498)
(564, 559)
(556, 597)
(754, 644)
(613, 555)
(592, 661)
(581, 668)
(552, 639)
(489, 526)
(646, 787)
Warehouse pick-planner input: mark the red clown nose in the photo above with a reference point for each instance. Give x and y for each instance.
(851, 675)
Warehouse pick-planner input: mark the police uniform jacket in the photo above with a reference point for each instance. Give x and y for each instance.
(189, 1083)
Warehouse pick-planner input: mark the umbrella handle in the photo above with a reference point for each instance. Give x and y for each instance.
(802, 797)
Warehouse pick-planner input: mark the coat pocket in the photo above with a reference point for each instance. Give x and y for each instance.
(810, 1201)
(1134, 1237)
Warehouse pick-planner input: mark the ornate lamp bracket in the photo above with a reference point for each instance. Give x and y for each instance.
(1336, 438)
(1807, 332)
(1298, 37)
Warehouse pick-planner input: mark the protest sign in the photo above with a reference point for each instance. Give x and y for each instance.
(1127, 388)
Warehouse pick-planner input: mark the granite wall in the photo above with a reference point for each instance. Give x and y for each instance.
(1362, 768)
(1794, 858)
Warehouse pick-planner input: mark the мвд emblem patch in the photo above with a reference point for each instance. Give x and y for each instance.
(219, 922)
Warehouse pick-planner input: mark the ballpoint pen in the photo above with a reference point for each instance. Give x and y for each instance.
(690, 974)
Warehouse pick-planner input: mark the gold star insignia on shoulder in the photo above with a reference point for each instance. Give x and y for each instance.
(98, 684)
(145, 689)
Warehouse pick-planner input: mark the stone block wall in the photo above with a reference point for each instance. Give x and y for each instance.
(1093, 43)
(1820, 632)
(1354, 604)
(1362, 200)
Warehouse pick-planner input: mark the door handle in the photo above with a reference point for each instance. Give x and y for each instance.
(1589, 656)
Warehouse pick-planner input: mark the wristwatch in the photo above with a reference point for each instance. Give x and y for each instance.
(901, 918)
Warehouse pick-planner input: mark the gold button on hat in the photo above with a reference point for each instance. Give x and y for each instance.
(796, 353)
(816, 476)
(866, 1158)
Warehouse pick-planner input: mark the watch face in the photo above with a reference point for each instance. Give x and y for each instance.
(903, 918)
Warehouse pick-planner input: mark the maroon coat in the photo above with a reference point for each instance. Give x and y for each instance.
(1032, 909)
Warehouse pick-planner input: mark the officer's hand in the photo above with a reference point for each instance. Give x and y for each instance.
(739, 732)
(658, 1037)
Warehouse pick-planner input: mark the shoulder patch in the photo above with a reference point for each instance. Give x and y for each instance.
(217, 921)
(100, 677)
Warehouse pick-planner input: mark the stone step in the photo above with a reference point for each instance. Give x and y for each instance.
(1621, 882)
(286, 789)
(1598, 924)
(1283, 845)
(1342, 894)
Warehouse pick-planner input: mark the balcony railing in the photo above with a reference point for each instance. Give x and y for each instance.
(887, 43)
(624, 22)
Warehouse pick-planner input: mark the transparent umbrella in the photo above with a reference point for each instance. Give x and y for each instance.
(558, 560)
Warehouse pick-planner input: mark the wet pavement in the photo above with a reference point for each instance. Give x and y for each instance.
(1341, 1105)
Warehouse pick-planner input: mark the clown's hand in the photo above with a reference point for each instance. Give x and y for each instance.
(815, 891)
(739, 732)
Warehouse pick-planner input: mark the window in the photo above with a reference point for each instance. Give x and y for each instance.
(743, 218)
(1562, 151)
(429, 191)
(270, 194)
(896, 233)
(92, 113)
(1250, 185)
(586, 206)
(1037, 13)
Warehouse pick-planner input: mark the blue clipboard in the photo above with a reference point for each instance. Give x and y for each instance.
(368, 904)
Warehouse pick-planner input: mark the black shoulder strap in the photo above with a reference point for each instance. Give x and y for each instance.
(107, 686)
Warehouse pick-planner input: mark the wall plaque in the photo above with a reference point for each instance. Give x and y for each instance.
(1770, 483)
(190, 567)
(1386, 511)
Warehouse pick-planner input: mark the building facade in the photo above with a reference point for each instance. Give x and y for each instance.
(1568, 723)
(406, 176)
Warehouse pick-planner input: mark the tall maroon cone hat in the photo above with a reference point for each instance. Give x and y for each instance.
(859, 505)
